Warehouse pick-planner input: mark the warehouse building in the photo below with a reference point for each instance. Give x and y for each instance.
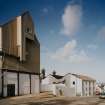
(19, 57)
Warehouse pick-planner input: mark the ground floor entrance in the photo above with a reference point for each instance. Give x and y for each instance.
(15, 83)
(10, 90)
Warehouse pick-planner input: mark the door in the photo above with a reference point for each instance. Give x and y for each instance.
(10, 90)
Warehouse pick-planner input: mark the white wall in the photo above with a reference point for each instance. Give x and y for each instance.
(78, 87)
(88, 89)
(68, 80)
(73, 79)
(50, 79)
(24, 84)
(91, 88)
(10, 78)
(70, 92)
(68, 88)
(47, 87)
(35, 88)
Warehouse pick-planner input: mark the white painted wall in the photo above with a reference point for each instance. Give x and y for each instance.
(69, 92)
(88, 88)
(10, 78)
(78, 87)
(46, 87)
(67, 80)
(68, 89)
(35, 88)
(24, 84)
(50, 79)
(73, 79)
(91, 88)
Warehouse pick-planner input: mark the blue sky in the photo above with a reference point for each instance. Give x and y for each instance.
(71, 33)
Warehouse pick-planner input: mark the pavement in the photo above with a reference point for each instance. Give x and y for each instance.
(49, 99)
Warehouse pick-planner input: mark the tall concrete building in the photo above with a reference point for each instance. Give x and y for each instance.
(19, 57)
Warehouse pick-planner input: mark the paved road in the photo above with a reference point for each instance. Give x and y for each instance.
(51, 100)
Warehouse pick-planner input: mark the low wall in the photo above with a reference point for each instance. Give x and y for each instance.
(58, 90)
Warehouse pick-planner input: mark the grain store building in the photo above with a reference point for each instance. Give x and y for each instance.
(19, 57)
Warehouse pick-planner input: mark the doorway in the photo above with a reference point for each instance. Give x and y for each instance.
(10, 90)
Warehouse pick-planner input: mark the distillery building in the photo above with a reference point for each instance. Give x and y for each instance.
(19, 57)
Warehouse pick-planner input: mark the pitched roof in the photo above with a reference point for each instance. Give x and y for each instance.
(83, 77)
(57, 76)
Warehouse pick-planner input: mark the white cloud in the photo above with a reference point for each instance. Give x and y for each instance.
(92, 46)
(102, 32)
(70, 53)
(64, 52)
(71, 19)
(80, 57)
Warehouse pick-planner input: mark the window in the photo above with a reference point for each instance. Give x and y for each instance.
(64, 81)
(28, 30)
(73, 82)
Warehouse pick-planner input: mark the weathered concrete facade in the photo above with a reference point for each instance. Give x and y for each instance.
(19, 56)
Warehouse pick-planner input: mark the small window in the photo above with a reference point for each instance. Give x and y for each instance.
(28, 30)
(73, 82)
(64, 81)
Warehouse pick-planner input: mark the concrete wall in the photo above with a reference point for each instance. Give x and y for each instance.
(10, 78)
(19, 37)
(9, 35)
(20, 44)
(24, 84)
(35, 84)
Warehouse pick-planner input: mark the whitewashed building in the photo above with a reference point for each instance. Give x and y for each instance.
(19, 57)
(69, 85)
(85, 85)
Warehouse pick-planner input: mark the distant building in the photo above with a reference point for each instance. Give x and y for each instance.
(85, 85)
(19, 57)
(69, 84)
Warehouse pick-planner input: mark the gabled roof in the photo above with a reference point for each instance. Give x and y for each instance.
(83, 77)
(57, 76)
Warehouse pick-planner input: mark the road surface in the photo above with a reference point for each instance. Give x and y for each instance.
(51, 100)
